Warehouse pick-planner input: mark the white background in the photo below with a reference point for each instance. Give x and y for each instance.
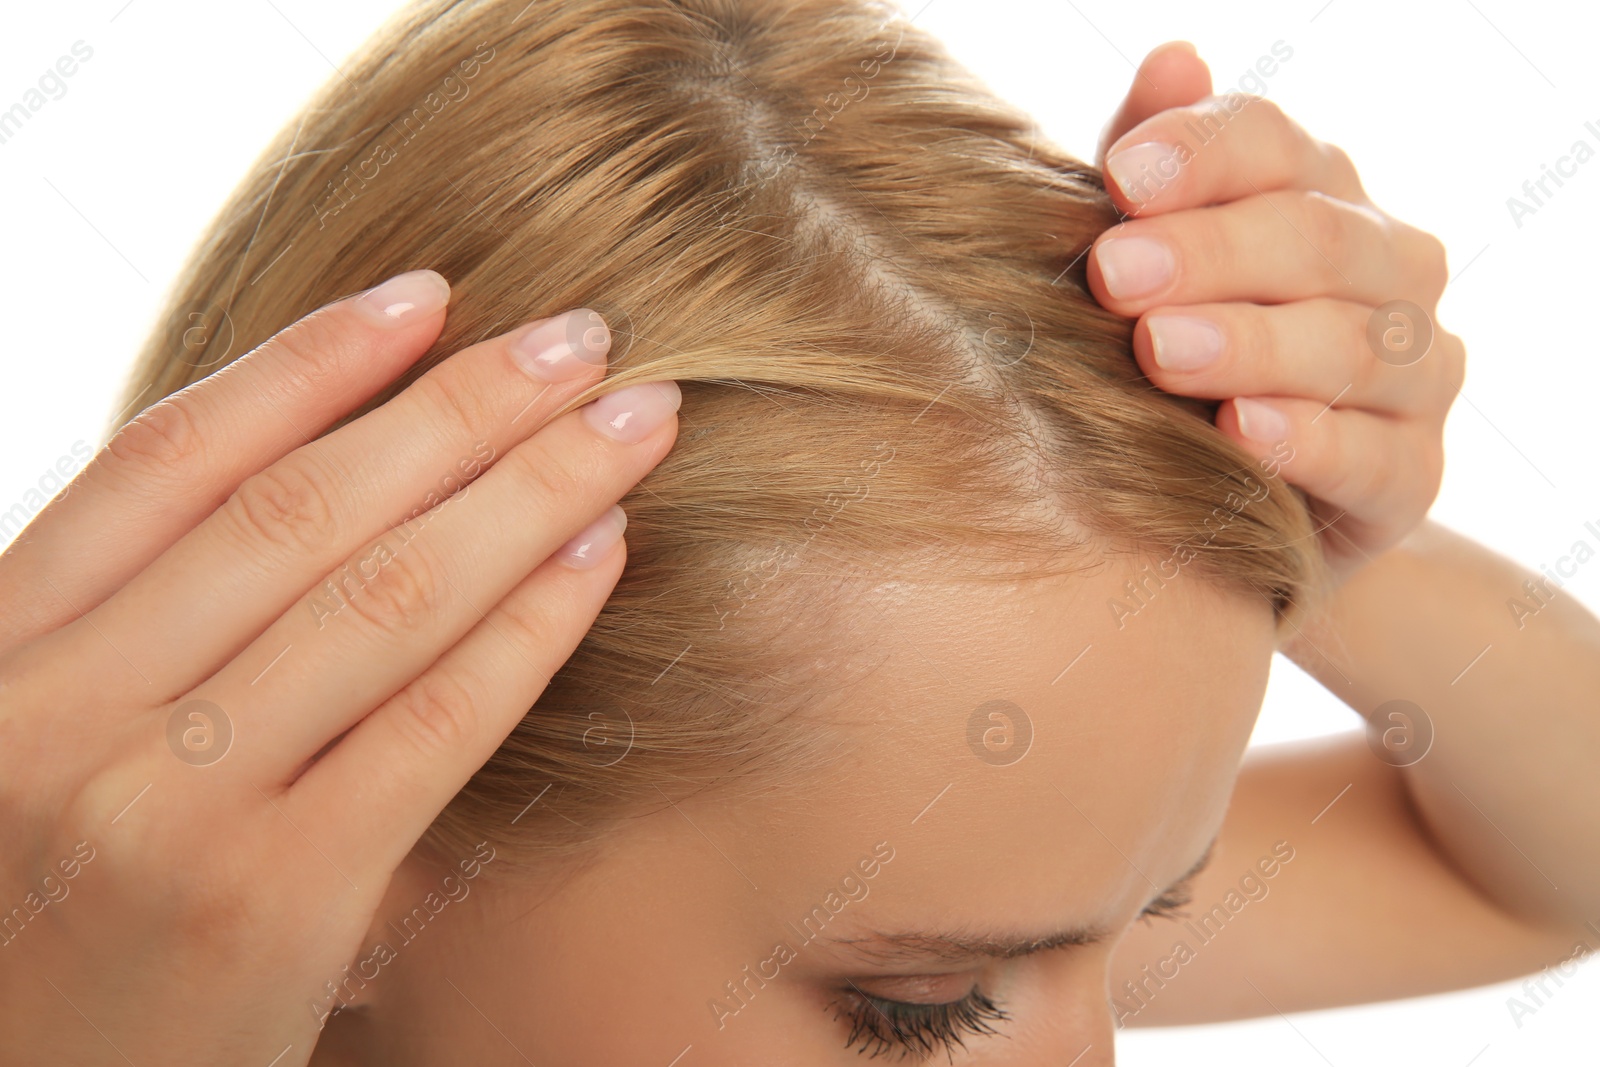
(1446, 107)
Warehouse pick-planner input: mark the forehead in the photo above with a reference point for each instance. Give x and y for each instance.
(1028, 752)
(927, 822)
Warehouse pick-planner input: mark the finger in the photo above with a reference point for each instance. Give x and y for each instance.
(1267, 249)
(1314, 349)
(1221, 149)
(406, 760)
(286, 527)
(412, 594)
(168, 467)
(1367, 468)
(1172, 75)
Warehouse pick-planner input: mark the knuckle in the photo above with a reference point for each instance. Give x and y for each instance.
(289, 505)
(1413, 485)
(1378, 479)
(1335, 158)
(1207, 246)
(1328, 228)
(1347, 479)
(403, 596)
(1383, 479)
(1256, 345)
(550, 478)
(1236, 102)
(435, 714)
(164, 435)
(1458, 362)
(1368, 483)
(456, 412)
(1435, 265)
(1434, 468)
(1267, 112)
(1215, 115)
(526, 623)
(1452, 368)
(1366, 371)
(317, 345)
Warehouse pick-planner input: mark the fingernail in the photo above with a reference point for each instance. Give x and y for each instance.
(1143, 170)
(629, 415)
(1260, 421)
(563, 347)
(405, 298)
(1179, 342)
(595, 542)
(1134, 266)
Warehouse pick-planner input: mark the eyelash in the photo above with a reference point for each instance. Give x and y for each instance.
(881, 1027)
(1169, 905)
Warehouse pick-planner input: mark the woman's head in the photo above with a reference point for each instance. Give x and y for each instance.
(917, 472)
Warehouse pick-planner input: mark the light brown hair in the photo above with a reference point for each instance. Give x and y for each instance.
(866, 273)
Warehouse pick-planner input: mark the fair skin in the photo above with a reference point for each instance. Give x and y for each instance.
(1127, 776)
(1125, 783)
(233, 896)
(1266, 241)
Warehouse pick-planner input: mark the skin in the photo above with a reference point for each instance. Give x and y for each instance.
(1340, 877)
(1271, 242)
(179, 847)
(1123, 787)
(219, 895)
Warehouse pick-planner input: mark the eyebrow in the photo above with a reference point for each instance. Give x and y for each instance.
(966, 947)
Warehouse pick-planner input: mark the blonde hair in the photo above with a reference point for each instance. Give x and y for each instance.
(866, 273)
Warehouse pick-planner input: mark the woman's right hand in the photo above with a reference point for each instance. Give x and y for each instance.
(220, 595)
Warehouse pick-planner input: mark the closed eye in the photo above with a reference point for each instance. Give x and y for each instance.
(883, 1027)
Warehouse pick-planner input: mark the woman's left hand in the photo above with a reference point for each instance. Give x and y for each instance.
(1263, 277)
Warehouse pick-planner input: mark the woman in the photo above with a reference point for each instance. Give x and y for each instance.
(944, 625)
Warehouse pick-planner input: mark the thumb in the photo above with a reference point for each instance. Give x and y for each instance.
(1172, 75)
